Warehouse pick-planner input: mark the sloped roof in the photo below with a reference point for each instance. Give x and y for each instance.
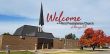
(28, 30)
(44, 35)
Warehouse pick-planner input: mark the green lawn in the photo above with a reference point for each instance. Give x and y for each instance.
(71, 53)
(74, 52)
(18, 52)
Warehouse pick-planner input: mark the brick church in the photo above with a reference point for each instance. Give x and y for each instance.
(29, 37)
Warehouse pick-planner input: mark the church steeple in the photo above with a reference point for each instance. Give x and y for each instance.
(41, 20)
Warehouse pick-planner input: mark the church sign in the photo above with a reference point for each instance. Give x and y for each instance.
(76, 22)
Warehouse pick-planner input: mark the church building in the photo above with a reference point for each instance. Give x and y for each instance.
(29, 37)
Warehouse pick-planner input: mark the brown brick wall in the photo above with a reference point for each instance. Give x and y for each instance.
(71, 44)
(62, 43)
(58, 44)
(0, 42)
(16, 43)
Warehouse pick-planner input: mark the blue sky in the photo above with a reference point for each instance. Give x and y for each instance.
(16, 13)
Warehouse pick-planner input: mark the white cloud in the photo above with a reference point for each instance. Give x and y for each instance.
(90, 10)
(27, 8)
(12, 26)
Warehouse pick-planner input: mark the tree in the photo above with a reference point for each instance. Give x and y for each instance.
(77, 38)
(6, 33)
(93, 38)
(74, 36)
(108, 39)
(71, 36)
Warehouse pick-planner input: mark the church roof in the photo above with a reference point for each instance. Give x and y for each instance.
(28, 30)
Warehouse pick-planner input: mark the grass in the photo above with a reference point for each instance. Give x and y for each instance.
(71, 53)
(74, 52)
(84, 52)
(57, 52)
(18, 52)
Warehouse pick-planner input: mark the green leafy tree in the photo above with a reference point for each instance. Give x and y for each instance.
(71, 36)
(6, 33)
